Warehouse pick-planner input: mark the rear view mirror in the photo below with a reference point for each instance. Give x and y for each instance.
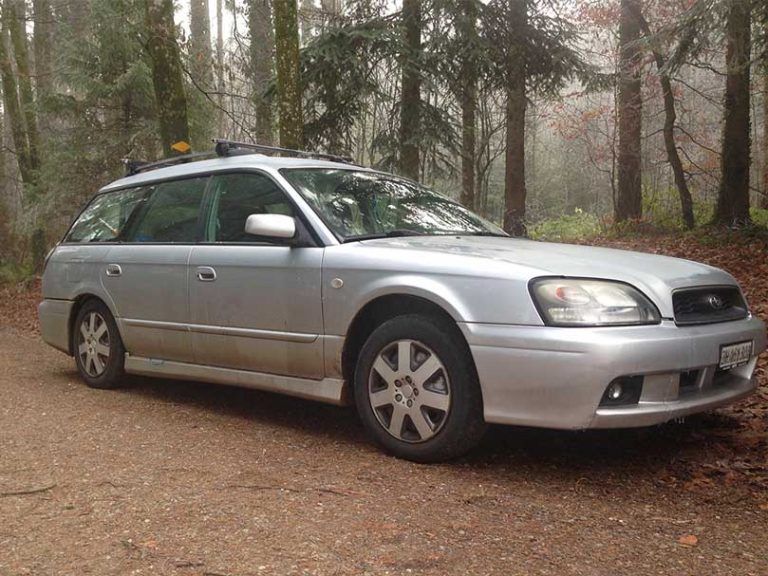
(271, 226)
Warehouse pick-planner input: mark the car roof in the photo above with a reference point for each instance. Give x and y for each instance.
(243, 161)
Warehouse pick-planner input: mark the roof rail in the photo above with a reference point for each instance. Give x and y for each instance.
(137, 166)
(228, 147)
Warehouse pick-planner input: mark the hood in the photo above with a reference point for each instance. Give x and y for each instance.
(654, 275)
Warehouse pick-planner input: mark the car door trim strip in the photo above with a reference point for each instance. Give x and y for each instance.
(300, 337)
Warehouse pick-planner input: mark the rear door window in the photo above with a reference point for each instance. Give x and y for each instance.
(171, 214)
(105, 218)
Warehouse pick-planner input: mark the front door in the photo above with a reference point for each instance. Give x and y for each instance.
(254, 305)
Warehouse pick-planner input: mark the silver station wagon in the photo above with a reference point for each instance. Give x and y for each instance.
(305, 275)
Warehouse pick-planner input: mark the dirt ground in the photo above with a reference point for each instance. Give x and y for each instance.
(185, 479)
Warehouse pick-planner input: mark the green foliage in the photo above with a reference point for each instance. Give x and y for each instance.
(337, 70)
(567, 228)
(15, 273)
(108, 115)
(759, 216)
(546, 48)
(662, 208)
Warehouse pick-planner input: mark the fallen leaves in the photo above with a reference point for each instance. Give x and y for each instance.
(730, 447)
(690, 540)
(726, 449)
(18, 307)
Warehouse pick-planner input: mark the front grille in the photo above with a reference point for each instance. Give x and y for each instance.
(707, 305)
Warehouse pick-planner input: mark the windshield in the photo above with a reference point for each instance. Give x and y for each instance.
(357, 205)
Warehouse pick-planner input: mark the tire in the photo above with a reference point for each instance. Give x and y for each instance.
(97, 346)
(430, 410)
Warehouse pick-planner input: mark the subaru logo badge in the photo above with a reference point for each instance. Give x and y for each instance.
(715, 301)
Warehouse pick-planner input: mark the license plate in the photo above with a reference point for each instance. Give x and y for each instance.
(732, 355)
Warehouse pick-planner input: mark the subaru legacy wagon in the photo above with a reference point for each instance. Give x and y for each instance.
(313, 277)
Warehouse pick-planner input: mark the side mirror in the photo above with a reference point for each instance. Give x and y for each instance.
(271, 226)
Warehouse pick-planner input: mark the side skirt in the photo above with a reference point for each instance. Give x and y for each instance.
(328, 390)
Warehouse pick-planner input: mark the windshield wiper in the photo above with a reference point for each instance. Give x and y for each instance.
(483, 233)
(396, 233)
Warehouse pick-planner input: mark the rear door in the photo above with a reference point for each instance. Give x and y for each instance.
(146, 273)
(254, 305)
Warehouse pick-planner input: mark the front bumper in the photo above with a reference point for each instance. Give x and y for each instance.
(556, 377)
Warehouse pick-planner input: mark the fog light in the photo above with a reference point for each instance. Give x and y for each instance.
(623, 391)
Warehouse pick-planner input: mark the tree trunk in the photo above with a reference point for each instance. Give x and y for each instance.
(514, 156)
(306, 16)
(514, 161)
(78, 15)
(166, 74)
(200, 58)
(12, 107)
(670, 118)
(291, 120)
(200, 54)
(467, 25)
(410, 91)
(733, 196)
(220, 64)
(260, 26)
(43, 39)
(764, 197)
(629, 203)
(17, 29)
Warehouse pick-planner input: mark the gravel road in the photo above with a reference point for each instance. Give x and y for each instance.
(181, 478)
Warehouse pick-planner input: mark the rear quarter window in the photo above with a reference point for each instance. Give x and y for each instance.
(105, 218)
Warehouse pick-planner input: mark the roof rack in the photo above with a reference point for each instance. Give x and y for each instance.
(228, 147)
(137, 166)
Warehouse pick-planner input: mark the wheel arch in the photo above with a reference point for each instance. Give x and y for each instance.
(79, 301)
(386, 307)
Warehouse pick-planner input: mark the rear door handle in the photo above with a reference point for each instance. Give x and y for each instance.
(114, 270)
(206, 274)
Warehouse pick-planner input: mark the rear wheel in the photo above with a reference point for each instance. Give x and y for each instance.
(416, 390)
(99, 351)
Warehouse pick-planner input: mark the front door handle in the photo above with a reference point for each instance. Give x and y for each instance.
(114, 270)
(206, 274)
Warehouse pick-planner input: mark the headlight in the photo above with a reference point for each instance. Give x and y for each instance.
(576, 302)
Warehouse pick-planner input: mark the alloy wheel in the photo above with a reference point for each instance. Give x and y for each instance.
(409, 391)
(93, 344)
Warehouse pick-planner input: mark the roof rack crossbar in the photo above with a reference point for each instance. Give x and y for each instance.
(226, 147)
(137, 166)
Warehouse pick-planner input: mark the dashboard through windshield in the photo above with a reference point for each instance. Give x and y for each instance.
(358, 205)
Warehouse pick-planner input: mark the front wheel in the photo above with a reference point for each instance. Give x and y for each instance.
(416, 390)
(99, 351)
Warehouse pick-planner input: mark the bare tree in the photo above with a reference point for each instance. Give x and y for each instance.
(670, 118)
(733, 196)
(629, 204)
